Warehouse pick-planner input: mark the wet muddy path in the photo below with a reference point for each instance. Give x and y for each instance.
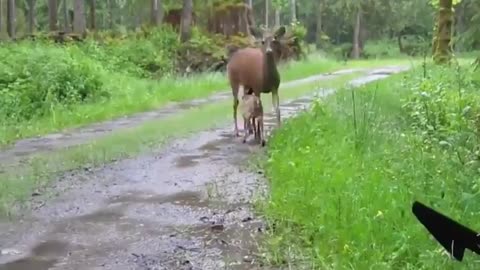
(188, 206)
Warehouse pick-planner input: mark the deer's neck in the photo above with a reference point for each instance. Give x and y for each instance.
(271, 75)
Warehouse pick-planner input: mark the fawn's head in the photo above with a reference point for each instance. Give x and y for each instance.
(270, 41)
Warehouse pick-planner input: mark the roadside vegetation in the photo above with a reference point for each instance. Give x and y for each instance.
(344, 175)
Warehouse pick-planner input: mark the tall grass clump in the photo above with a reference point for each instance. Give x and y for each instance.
(146, 54)
(34, 78)
(343, 177)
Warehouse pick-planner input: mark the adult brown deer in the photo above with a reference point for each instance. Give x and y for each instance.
(256, 69)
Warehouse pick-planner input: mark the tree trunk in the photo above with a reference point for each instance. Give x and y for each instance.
(31, 16)
(186, 23)
(443, 33)
(319, 31)
(93, 15)
(11, 18)
(250, 3)
(161, 11)
(52, 15)
(294, 10)
(1, 18)
(356, 35)
(267, 10)
(110, 13)
(460, 25)
(156, 12)
(277, 17)
(79, 21)
(400, 43)
(65, 17)
(362, 37)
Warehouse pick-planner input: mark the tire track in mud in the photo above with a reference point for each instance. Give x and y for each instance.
(188, 206)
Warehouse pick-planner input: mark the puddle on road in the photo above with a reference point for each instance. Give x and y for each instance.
(29, 263)
(236, 243)
(213, 146)
(101, 216)
(184, 198)
(188, 160)
(294, 106)
(186, 105)
(50, 248)
(42, 257)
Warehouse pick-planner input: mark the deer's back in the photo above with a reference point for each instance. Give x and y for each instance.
(246, 68)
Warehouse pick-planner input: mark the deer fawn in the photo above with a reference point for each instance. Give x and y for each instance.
(252, 112)
(256, 69)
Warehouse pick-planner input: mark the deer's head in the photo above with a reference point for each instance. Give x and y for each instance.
(269, 40)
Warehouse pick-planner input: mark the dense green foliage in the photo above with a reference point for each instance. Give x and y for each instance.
(342, 189)
(44, 80)
(142, 54)
(34, 77)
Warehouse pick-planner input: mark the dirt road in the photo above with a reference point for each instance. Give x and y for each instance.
(189, 206)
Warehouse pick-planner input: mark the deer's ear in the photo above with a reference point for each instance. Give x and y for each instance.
(257, 33)
(280, 32)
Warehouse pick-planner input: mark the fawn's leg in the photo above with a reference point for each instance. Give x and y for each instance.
(252, 128)
(246, 124)
(235, 106)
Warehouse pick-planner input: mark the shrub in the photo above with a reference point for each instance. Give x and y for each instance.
(36, 76)
(342, 51)
(416, 45)
(381, 49)
(147, 54)
(445, 109)
(298, 30)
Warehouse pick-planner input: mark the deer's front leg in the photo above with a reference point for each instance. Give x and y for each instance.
(276, 106)
(235, 106)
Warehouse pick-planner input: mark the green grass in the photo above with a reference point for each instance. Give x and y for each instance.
(132, 95)
(17, 182)
(342, 190)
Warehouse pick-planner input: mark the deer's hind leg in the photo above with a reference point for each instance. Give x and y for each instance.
(251, 129)
(235, 92)
(235, 106)
(261, 134)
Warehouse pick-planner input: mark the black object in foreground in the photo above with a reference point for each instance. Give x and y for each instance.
(453, 236)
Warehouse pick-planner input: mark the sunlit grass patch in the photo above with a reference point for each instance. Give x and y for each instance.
(343, 179)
